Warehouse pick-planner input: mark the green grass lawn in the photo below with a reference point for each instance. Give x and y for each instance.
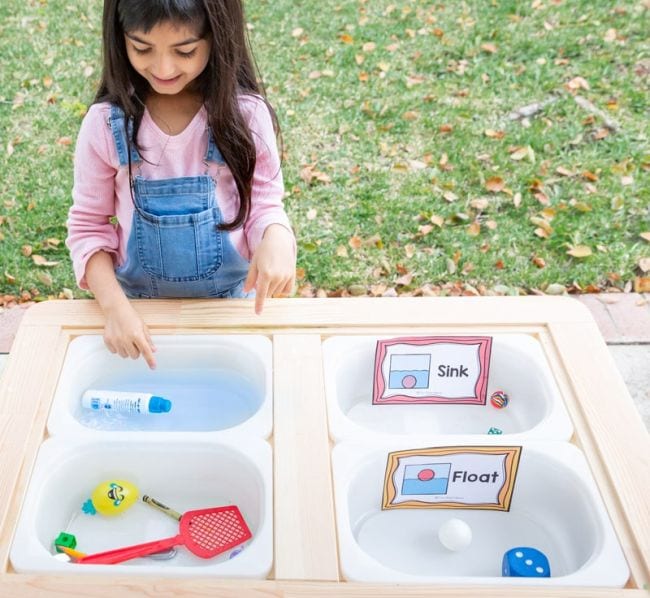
(404, 172)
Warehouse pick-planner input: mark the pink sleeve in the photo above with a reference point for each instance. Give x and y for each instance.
(89, 227)
(268, 186)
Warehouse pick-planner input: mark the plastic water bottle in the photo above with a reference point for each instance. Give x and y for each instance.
(119, 401)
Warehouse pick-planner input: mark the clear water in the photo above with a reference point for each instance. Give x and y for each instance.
(202, 400)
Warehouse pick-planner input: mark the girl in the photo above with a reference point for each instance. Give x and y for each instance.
(177, 183)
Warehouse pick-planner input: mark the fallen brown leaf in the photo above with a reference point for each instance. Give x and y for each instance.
(377, 290)
(542, 223)
(45, 278)
(564, 171)
(405, 280)
(39, 260)
(579, 251)
(494, 134)
(577, 83)
(641, 284)
(474, 229)
(354, 242)
(480, 203)
(495, 184)
(519, 153)
(541, 197)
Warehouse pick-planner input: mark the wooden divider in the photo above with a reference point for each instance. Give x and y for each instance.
(304, 526)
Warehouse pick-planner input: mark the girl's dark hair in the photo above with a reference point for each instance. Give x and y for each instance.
(230, 72)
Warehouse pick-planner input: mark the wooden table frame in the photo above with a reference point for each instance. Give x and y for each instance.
(607, 428)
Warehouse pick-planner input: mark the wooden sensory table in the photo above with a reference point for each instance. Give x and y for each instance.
(607, 428)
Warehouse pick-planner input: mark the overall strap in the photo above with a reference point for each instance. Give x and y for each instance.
(119, 131)
(213, 154)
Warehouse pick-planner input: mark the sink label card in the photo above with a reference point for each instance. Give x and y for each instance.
(452, 477)
(432, 369)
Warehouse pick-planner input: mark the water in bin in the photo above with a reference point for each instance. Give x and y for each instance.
(201, 401)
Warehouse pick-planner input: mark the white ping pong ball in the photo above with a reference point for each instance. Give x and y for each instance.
(455, 534)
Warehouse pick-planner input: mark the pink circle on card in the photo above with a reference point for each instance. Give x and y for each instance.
(408, 381)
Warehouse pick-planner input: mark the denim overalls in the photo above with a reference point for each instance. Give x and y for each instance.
(175, 248)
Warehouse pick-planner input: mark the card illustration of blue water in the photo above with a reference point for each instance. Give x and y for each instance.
(435, 486)
(426, 478)
(409, 379)
(202, 400)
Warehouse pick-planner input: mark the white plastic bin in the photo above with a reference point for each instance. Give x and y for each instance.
(517, 366)
(183, 473)
(217, 384)
(555, 508)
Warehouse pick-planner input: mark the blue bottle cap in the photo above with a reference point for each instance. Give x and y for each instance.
(159, 405)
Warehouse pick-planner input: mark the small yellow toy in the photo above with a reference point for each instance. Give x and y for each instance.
(111, 498)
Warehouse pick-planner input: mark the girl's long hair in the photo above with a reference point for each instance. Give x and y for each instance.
(229, 73)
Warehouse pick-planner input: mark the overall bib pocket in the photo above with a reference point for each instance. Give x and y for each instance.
(180, 247)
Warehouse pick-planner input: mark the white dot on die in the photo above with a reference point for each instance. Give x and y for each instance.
(528, 562)
(539, 570)
(519, 554)
(455, 534)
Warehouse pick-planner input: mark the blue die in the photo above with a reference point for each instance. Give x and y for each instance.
(524, 561)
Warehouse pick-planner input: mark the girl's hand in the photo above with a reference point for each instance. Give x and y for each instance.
(273, 267)
(126, 334)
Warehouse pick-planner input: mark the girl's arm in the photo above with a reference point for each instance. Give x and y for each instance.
(125, 332)
(267, 230)
(95, 169)
(93, 239)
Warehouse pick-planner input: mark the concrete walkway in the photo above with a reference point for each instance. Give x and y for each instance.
(623, 320)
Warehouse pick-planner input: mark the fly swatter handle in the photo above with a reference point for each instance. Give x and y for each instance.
(119, 555)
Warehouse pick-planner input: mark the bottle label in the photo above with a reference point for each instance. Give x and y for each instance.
(116, 401)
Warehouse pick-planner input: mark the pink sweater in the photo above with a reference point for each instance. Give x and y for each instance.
(101, 187)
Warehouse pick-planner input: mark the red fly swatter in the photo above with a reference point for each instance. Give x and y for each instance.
(204, 532)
